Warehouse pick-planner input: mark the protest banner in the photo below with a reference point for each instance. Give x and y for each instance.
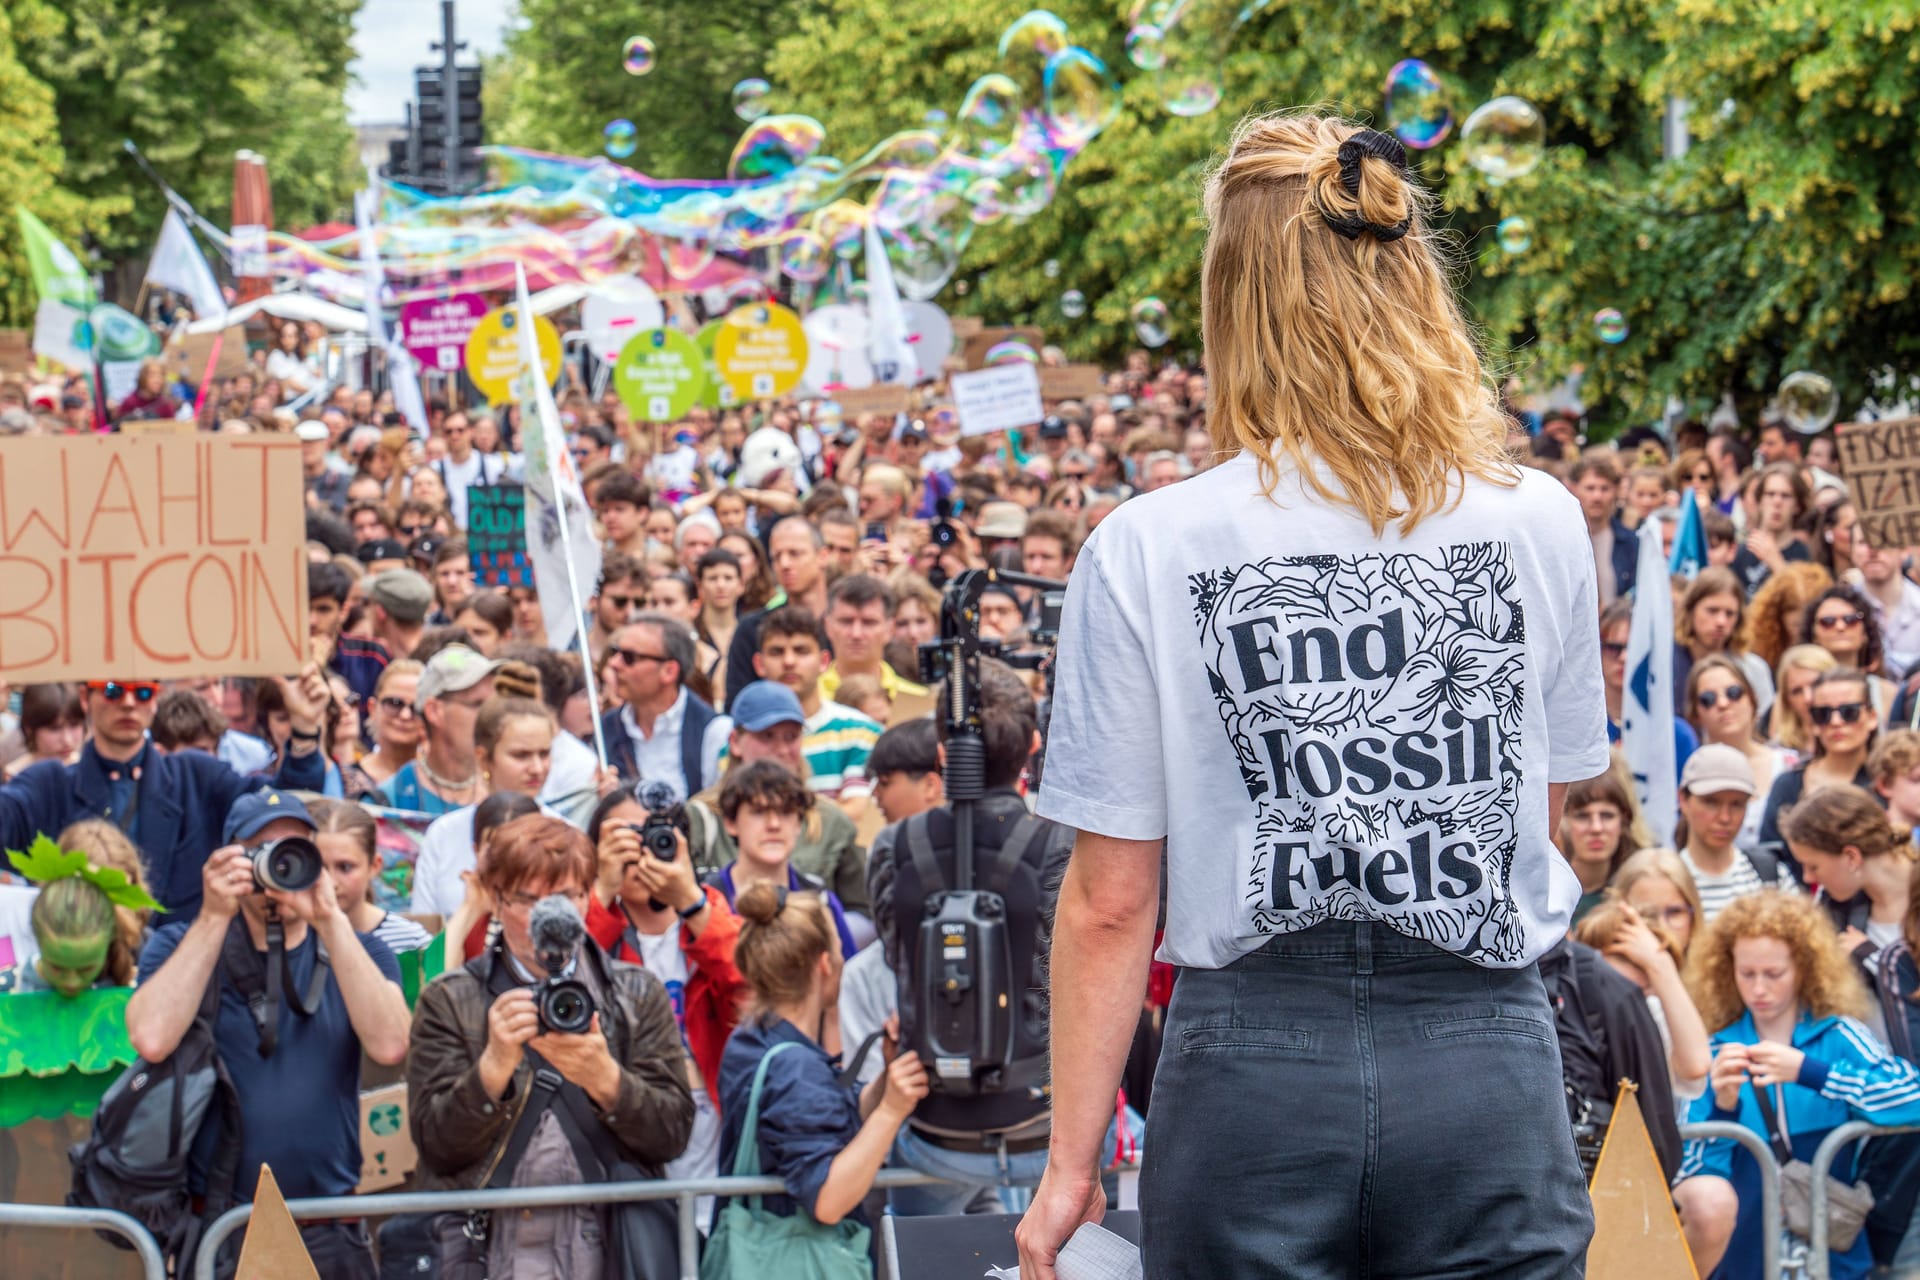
(1882, 465)
(436, 329)
(881, 398)
(1072, 381)
(761, 350)
(152, 557)
(497, 535)
(187, 354)
(976, 345)
(494, 357)
(162, 426)
(16, 351)
(387, 1153)
(1000, 398)
(659, 375)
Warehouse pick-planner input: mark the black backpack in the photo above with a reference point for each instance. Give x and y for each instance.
(136, 1158)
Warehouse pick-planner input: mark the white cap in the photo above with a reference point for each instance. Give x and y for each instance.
(312, 429)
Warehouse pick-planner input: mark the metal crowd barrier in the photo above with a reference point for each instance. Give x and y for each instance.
(50, 1215)
(1771, 1220)
(1823, 1158)
(684, 1193)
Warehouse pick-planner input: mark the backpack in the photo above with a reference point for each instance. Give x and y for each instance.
(136, 1158)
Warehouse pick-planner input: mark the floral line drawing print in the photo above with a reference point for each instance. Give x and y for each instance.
(1374, 705)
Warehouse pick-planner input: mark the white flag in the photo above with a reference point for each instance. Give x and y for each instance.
(1646, 710)
(401, 376)
(888, 350)
(62, 335)
(177, 264)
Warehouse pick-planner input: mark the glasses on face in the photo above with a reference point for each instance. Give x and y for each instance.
(1703, 477)
(624, 603)
(1840, 621)
(633, 657)
(1709, 699)
(396, 706)
(1608, 649)
(1671, 916)
(1847, 711)
(114, 691)
(411, 531)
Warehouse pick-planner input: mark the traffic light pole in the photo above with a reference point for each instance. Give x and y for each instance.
(448, 49)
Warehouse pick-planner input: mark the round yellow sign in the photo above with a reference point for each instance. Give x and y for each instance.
(760, 351)
(493, 352)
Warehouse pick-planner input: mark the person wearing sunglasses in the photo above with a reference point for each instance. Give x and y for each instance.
(1616, 621)
(396, 728)
(663, 732)
(171, 806)
(1722, 708)
(1843, 621)
(1840, 709)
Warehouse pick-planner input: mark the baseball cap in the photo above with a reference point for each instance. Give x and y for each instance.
(404, 594)
(455, 669)
(1001, 520)
(380, 549)
(1053, 427)
(312, 430)
(764, 704)
(1717, 767)
(426, 547)
(916, 431)
(252, 812)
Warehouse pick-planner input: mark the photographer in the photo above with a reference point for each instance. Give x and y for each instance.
(656, 914)
(296, 1071)
(480, 1114)
(989, 1138)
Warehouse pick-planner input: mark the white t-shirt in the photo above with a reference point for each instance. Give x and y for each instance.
(446, 850)
(570, 784)
(479, 468)
(1326, 724)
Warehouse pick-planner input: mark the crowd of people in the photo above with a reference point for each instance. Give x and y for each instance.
(769, 573)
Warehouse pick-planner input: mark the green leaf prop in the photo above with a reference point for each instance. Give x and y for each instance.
(44, 862)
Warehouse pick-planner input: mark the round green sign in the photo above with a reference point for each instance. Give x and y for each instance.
(659, 375)
(716, 394)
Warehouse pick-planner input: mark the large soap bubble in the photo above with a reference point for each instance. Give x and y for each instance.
(1417, 106)
(1808, 402)
(1505, 138)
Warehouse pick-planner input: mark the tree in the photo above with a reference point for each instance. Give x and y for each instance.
(190, 85)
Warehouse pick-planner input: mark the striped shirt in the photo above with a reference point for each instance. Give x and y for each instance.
(837, 743)
(1741, 879)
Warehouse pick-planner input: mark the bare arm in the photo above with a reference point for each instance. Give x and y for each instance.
(1556, 801)
(375, 1005)
(893, 1098)
(165, 1005)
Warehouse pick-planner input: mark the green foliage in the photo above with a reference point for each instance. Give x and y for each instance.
(190, 85)
(561, 80)
(45, 861)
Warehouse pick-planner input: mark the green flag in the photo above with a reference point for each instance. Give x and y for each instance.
(58, 276)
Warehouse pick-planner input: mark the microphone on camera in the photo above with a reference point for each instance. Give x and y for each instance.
(556, 930)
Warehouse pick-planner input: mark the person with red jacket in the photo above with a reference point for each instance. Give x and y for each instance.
(659, 916)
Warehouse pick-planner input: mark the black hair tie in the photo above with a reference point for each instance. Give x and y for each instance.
(1380, 146)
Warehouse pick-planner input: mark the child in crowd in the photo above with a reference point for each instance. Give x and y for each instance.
(824, 1139)
(1792, 1062)
(1895, 768)
(865, 694)
(762, 806)
(349, 849)
(84, 921)
(1646, 954)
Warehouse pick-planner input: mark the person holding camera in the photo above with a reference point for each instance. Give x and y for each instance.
(295, 1065)
(543, 1062)
(648, 908)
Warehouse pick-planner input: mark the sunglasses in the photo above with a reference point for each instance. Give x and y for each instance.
(624, 603)
(1709, 699)
(1841, 620)
(410, 531)
(396, 706)
(1847, 711)
(1703, 477)
(114, 691)
(633, 657)
(1608, 649)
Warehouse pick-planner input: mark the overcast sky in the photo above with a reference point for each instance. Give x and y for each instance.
(391, 37)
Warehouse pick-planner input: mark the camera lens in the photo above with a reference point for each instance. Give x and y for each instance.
(289, 865)
(566, 1006)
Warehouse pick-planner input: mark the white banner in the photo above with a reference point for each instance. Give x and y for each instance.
(177, 264)
(1646, 710)
(1002, 397)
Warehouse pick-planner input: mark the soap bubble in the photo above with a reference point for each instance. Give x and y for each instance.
(1146, 47)
(1012, 351)
(935, 115)
(621, 138)
(1073, 304)
(1417, 107)
(1082, 98)
(688, 258)
(1809, 402)
(805, 257)
(1149, 317)
(637, 56)
(1610, 326)
(750, 98)
(989, 119)
(1036, 33)
(1515, 235)
(988, 200)
(775, 146)
(1050, 268)
(1188, 91)
(1505, 138)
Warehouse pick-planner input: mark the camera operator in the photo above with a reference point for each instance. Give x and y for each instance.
(655, 913)
(498, 1099)
(296, 1070)
(989, 1138)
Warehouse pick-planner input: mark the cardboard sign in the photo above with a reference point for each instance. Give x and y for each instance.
(885, 398)
(187, 354)
(761, 351)
(493, 352)
(152, 557)
(497, 535)
(1635, 1230)
(1002, 398)
(1882, 465)
(272, 1248)
(163, 426)
(387, 1153)
(16, 351)
(1072, 381)
(976, 345)
(436, 329)
(964, 327)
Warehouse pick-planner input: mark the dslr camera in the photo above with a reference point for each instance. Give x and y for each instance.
(565, 1005)
(290, 865)
(666, 818)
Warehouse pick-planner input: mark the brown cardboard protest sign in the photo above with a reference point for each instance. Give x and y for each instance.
(974, 352)
(1636, 1233)
(188, 353)
(152, 557)
(160, 426)
(273, 1249)
(387, 1154)
(16, 351)
(1072, 381)
(883, 398)
(1882, 465)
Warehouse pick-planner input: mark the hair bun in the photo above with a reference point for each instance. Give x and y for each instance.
(516, 679)
(760, 903)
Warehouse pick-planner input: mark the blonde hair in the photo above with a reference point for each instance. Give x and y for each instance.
(1599, 927)
(1666, 864)
(1826, 978)
(782, 935)
(107, 846)
(1789, 730)
(1353, 352)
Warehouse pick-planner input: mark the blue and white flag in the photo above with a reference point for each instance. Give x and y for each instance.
(1646, 711)
(1690, 543)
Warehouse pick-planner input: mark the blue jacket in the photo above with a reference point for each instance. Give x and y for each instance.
(1626, 557)
(176, 822)
(1847, 1075)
